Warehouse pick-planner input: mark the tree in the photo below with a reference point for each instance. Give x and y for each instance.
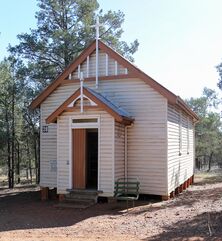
(12, 122)
(7, 104)
(219, 70)
(63, 31)
(209, 128)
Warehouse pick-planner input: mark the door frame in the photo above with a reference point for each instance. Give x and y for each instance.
(89, 125)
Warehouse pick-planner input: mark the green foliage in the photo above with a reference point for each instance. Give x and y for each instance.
(5, 87)
(17, 132)
(219, 70)
(63, 31)
(209, 128)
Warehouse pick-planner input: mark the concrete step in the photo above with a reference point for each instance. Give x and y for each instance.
(84, 191)
(82, 195)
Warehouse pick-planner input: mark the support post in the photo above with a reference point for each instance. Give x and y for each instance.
(165, 198)
(44, 193)
(192, 178)
(177, 191)
(61, 197)
(172, 194)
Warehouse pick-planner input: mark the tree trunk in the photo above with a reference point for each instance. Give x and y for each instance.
(18, 163)
(210, 161)
(29, 161)
(35, 142)
(13, 130)
(8, 149)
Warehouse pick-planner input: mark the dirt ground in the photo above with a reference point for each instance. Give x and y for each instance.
(196, 214)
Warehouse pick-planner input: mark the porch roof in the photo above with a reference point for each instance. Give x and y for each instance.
(118, 113)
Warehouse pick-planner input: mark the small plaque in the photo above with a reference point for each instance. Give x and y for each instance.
(45, 129)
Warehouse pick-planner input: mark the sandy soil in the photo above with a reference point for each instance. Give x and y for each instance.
(196, 214)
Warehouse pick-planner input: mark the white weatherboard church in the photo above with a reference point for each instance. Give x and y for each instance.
(104, 119)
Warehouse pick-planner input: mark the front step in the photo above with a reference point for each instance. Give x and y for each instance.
(79, 194)
(79, 199)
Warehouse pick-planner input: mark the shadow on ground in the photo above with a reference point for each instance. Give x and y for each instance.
(202, 190)
(24, 210)
(206, 226)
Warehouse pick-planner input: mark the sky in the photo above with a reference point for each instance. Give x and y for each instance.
(180, 40)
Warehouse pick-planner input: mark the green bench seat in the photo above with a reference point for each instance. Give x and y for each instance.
(127, 189)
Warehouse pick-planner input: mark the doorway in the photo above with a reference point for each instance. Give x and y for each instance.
(92, 158)
(85, 158)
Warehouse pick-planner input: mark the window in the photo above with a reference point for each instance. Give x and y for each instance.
(85, 122)
(45, 129)
(188, 137)
(77, 121)
(180, 133)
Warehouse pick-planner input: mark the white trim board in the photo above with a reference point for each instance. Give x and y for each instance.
(72, 126)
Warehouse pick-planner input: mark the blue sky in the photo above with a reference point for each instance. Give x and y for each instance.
(180, 40)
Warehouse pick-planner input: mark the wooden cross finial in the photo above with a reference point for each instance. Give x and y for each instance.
(81, 91)
(97, 26)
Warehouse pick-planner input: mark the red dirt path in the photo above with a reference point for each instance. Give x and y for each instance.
(196, 214)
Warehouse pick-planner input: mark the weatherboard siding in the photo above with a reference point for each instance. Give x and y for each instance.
(180, 162)
(106, 152)
(101, 66)
(48, 156)
(119, 150)
(147, 138)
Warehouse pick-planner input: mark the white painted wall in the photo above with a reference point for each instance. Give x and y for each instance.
(119, 150)
(147, 139)
(106, 150)
(180, 163)
(101, 67)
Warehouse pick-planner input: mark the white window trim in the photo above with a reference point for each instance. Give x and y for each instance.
(70, 153)
(188, 135)
(180, 133)
(83, 126)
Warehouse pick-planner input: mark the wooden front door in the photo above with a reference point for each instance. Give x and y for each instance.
(79, 158)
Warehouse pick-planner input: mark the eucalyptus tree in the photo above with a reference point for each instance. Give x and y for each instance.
(209, 129)
(64, 29)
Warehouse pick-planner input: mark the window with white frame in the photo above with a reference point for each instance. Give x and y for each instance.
(85, 122)
(188, 136)
(89, 120)
(180, 133)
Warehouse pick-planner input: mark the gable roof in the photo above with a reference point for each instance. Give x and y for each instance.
(118, 114)
(133, 72)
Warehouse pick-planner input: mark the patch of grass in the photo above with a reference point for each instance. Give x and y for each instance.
(208, 177)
